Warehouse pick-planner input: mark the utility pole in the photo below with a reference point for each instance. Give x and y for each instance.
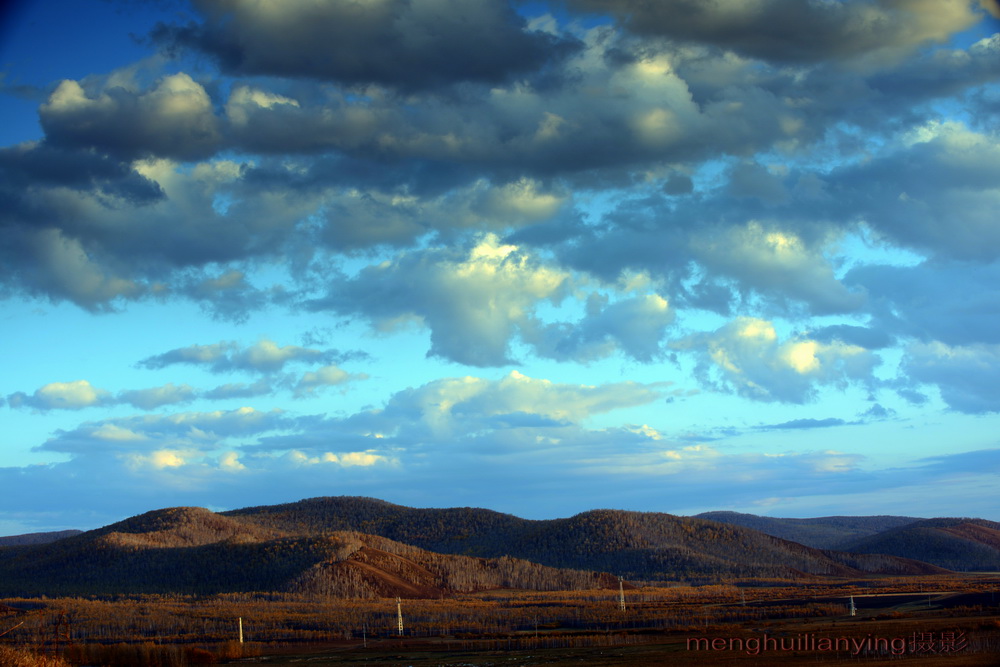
(399, 616)
(621, 593)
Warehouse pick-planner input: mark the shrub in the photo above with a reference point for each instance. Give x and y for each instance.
(12, 657)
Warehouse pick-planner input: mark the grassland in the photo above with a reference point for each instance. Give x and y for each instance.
(939, 620)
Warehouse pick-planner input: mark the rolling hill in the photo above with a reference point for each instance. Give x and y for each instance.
(362, 547)
(955, 544)
(641, 546)
(190, 550)
(828, 532)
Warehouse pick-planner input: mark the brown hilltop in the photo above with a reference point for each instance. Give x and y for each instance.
(181, 527)
(637, 545)
(360, 547)
(193, 550)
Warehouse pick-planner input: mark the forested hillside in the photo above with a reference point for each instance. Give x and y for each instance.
(361, 547)
(194, 551)
(955, 544)
(828, 532)
(637, 545)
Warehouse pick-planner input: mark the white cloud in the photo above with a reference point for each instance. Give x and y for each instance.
(159, 459)
(231, 461)
(776, 263)
(470, 404)
(74, 395)
(747, 357)
(473, 301)
(344, 460)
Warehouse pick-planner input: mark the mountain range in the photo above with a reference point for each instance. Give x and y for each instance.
(363, 547)
(953, 543)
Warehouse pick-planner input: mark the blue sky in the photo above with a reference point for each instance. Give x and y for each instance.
(535, 257)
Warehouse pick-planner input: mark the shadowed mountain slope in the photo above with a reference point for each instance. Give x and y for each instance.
(828, 532)
(36, 538)
(955, 544)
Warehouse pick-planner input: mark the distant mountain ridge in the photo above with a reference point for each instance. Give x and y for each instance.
(36, 538)
(828, 532)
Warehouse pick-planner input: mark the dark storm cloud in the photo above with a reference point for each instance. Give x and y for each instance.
(794, 31)
(408, 44)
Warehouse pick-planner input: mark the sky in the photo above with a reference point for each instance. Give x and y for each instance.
(536, 257)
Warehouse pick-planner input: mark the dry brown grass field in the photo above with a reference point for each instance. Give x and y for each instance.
(941, 620)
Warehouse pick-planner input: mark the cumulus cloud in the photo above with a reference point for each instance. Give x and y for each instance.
(99, 227)
(407, 44)
(74, 395)
(348, 459)
(747, 357)
(174, 119)
(777, 264)
(472, 300)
